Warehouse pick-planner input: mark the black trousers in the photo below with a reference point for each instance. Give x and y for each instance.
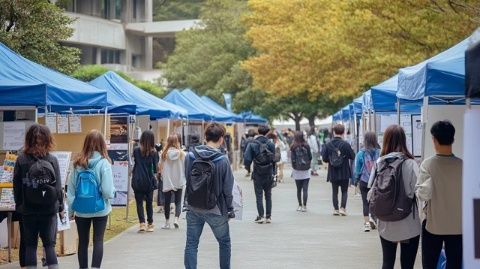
(148, 198)
(263, 186)
(302, 185)
(343, 185)
(83, 229)
(160, 196)
(408, 253)
(178, 203)
(364, 191)
(44, 226)
(432, 246)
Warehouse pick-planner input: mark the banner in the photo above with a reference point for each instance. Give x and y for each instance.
(228, 100)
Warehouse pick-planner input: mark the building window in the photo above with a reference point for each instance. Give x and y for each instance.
(134, 9)
(110, 56)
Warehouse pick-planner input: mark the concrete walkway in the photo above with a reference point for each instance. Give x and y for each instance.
(315, 239)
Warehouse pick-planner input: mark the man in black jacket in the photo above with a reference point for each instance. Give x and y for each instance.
(339, 176)
(217, 217)
(263, 173)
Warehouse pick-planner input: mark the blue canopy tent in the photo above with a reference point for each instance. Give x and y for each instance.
(346, 113)
(219, 115)
(26, 83)
(358, 105)
(235, 117)
(194, 111)
(250, 118)
(337, 116)
(384, 99)
(122, 95)
(442, 75)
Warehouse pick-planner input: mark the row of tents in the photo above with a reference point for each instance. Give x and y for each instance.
(439, 80)
(26, 83)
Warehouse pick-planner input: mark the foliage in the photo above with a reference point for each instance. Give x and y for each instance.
(336, 48)
(165, 10)
(90, 72)
(34, 28)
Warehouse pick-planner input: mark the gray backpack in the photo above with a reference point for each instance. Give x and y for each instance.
(388, 200)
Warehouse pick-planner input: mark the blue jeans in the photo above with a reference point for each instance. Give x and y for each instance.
(220, 228)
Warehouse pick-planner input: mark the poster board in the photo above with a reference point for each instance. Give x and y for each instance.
(63, 158)
(385, 120)
(417, 135)
(118, 151)
(120, 181)
(471, 191)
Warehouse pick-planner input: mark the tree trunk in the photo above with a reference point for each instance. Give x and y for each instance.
(297, 117)
(311, 121)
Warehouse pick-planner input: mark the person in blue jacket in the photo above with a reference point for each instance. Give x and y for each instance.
(364, 162)
(94, 156)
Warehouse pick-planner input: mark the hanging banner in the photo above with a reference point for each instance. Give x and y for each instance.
(228, 101)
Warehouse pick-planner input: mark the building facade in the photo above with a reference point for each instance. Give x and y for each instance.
(119, 34)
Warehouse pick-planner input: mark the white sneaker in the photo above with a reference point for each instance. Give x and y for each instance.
(373, 224)
(260, 220)
(175, 223)
(366, 227)
(342, 212)
(166, 226)
(336, 213)
(299, 208)
(268, 220)
(304, 209)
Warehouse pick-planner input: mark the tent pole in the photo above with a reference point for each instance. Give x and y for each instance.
(105, 122)
(374, 121)
(424, 124)
(168, 128)
(398, 111)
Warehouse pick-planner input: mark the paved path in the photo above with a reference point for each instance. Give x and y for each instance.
(315, 239)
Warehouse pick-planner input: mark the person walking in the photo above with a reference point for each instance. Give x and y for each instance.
(38, 195)
(439, 186)
(261, 152)
(315, 150)
(250, 137)
(364, 162)
(398, 218)
(92, 159)
(280, 156)
(172, 168)
(212, 205)
(338, 153)
(144, 181)
(301, 159)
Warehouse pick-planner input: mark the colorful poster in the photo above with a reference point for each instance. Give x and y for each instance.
(63, 158)
(51, 123)
(118, 130)
(6, 171)
(75, 124)
(120, 181)
(13, 135)
(62, 124)
(7, 202)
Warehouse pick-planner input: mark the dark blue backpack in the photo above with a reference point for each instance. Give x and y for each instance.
(88, 198)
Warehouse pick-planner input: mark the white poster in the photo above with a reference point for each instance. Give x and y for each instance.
(7, 202)
(51, 123)
(75, 124)
(406, 124)
(63, 223)
(63, 158)
(417, 135)
(13, 135)
(471, 190)
(120, 181)
(387, 120)
(62, 124)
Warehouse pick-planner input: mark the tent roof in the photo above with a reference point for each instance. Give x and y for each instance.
(384, 99)
(440, 75)
(218, 114)
(122, 95)
(358, 105)
(26, 83)
(194, 111)
(214, 104)
(249, 117)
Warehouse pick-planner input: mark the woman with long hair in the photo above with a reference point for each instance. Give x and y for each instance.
(144, 181)
(38, 195)
(280, 149)
(364, 162)
(93, 157)
(407, 230)
(315, 149)
(172, 168)
(301, 161)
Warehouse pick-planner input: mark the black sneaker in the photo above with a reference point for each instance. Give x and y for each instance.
(260, 220)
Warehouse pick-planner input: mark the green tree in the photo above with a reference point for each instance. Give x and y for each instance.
(34, 28)
(208, 59)
(90, 72)
(165, 10)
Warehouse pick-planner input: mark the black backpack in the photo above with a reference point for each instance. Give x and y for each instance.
(263, 162)
(388, 200)
(201, 186)
(335, 157)
(301, 161)
(39, 185)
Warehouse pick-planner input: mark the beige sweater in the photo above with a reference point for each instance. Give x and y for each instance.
(439, 185)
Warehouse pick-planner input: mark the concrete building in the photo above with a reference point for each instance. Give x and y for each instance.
(120, 34)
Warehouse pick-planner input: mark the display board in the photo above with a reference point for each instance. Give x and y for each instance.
(417, 135)
(471, 191)
(118, 153)
(63, 158)
(385, 120)
(6, 170)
